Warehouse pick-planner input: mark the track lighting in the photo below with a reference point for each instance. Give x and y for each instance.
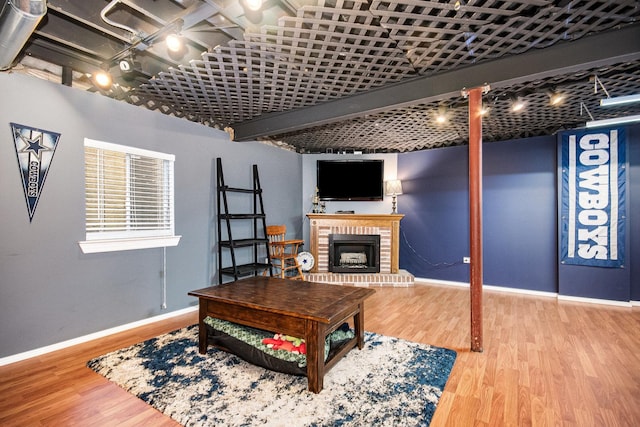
(174, 42)
(556, 98)
(517, 105)
(127, 68)
(442, 116)
(254, 5)
(102, 79)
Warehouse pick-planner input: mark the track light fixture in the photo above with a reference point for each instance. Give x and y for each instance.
(174, 42)
(556, 98)
(517, 105)
(254, 5)
(140, 41)
(128, 68)
(102, 79)
(442, 116)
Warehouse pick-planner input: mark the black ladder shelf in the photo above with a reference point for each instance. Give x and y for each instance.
(258, 233)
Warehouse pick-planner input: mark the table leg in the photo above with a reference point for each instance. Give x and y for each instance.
(358, 325)
(314, 338)
(202, 328)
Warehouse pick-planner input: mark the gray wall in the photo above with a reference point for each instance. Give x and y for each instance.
(49, 290)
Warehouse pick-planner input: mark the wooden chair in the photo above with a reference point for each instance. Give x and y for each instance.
(284, 253)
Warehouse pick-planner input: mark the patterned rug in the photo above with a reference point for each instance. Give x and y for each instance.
(390, 382)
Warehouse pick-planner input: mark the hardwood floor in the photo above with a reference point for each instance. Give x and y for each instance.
(545, 362)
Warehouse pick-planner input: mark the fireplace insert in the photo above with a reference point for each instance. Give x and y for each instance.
(354, 253)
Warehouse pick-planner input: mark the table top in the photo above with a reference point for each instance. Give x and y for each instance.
(296, 298)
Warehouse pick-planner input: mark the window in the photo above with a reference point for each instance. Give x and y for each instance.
(128, 198)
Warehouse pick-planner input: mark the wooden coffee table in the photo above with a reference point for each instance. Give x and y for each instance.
(302, 309)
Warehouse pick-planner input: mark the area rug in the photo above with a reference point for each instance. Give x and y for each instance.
(390, 382)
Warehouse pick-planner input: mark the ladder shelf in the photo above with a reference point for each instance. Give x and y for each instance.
(229, 222)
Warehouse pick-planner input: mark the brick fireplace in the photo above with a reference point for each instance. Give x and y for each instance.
(387, 226)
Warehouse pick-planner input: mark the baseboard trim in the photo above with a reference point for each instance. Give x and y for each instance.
(100, 334)
(595, 301)
(531, 292)
(488, 287)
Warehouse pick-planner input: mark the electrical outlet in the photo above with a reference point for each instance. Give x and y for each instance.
(466, 260)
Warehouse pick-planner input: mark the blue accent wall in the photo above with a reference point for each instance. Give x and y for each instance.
(520, 219)
(435, 230)
(633, 204)
(519, 214)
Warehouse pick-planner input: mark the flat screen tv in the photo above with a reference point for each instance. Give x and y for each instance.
(350, 180)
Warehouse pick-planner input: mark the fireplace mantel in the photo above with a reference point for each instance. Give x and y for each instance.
(387, 225)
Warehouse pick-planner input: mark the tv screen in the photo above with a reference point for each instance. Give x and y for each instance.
(350, 179)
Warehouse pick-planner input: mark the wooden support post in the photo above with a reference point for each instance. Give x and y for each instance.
(475, 213)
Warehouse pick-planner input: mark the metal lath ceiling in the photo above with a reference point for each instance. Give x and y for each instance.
(414, 128)
(251, 72)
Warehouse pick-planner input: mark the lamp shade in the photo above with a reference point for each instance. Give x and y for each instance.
(393, 187)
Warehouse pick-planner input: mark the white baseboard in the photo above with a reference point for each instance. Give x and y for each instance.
(595, 301)
(100, 334)
(531, 292)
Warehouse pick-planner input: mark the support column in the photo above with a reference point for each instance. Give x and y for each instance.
(475, 213)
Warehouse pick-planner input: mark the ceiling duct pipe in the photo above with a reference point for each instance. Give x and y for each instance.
(17, 23)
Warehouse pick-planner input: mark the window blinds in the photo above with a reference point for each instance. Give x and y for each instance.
(129, 192)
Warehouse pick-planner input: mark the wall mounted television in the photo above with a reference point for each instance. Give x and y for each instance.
(350, 180)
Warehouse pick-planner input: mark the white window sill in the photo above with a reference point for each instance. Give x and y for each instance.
(112, 245)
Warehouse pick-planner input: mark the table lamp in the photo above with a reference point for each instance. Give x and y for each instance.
(393, 188)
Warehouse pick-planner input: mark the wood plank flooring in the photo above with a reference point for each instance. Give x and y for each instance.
(545, 363)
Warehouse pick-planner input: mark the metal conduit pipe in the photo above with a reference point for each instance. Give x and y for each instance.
(18, 20)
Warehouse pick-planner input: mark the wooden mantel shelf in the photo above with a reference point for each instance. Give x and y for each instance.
(386, 218)
(387, 225)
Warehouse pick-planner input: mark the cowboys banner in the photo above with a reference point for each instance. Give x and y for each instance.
(35, 149)
(593, 197)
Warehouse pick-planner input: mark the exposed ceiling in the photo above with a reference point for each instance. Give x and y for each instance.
(330, 76)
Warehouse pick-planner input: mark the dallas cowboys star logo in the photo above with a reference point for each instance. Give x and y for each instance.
(33, 144)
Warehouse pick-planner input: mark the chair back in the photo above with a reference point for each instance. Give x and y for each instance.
(276, 233)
